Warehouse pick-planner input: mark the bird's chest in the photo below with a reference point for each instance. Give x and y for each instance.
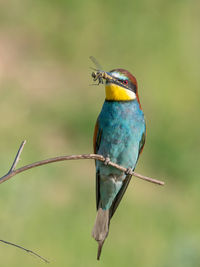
(121, 132)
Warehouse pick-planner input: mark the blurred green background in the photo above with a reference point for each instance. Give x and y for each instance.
(46, 99)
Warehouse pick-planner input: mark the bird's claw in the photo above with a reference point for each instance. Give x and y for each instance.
(107, 160)
(128, 171)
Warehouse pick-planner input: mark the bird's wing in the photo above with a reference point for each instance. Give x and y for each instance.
(142, 142)
(119, 195)
(96, 144)
(126, 181)
(97, 137)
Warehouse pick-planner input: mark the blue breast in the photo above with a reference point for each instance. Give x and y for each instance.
(122, 125)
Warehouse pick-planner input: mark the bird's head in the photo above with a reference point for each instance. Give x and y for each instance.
(123, 86)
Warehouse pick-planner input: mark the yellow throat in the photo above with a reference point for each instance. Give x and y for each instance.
(118, 93)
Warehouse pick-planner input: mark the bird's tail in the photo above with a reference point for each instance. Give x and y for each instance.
(101, 228)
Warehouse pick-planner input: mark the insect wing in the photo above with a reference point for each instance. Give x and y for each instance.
(96, 63)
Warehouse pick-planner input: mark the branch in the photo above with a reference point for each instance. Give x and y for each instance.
(27, 250)
(12, 172)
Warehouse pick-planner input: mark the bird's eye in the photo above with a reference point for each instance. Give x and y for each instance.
(125, 82)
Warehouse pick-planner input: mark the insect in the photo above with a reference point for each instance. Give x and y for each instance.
(101, 75)
(98, 74)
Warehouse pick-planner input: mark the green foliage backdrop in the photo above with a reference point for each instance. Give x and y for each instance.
(45, 98)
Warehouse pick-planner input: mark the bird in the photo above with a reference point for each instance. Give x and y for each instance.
(119, 136)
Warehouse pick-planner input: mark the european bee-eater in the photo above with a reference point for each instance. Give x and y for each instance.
(120, 136)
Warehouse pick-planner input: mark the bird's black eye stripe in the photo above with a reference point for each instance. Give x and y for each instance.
(128, 85)
(124, 82)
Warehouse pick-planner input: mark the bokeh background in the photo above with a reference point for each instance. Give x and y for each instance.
(46, 98)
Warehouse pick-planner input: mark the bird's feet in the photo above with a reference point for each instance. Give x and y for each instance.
(128, 171)
(107, 160)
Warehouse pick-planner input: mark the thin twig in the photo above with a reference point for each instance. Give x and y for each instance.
(12, 172)
(27, 250)
(17, 158)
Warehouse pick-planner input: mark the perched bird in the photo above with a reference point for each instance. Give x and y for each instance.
(119, 136)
